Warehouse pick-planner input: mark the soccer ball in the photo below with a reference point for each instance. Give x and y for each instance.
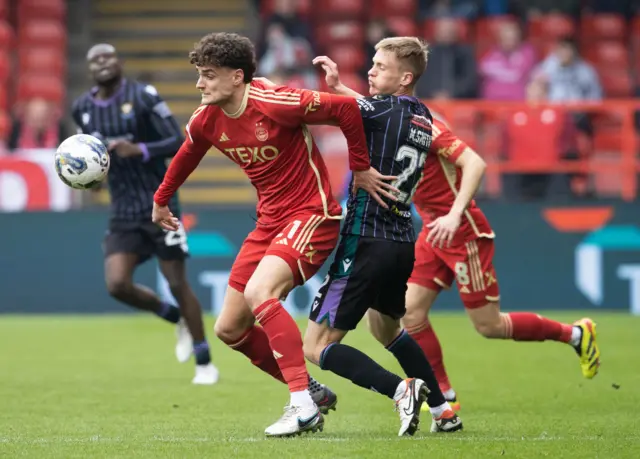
(82, 161)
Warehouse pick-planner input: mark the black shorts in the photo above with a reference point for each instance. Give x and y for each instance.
(367, 273)
(146, 240)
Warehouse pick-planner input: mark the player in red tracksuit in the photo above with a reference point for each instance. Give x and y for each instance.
(263, 130)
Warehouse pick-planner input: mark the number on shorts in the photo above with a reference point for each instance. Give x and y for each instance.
(294, 227)
(416, 159)
(179, 237)
(462, 273)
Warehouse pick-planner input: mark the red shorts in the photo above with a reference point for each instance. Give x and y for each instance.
(305, 243)
(470, 264)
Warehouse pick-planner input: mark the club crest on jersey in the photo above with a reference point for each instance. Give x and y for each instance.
(127, 110)
(261, 133)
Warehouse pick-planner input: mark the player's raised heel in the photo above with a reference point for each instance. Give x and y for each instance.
(326, 400)
(410, 395)
(448, 422)
(295, 421)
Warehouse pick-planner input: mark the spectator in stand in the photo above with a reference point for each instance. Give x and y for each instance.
(38, 126)
(528, 9)
(452, 72)
(467, 9)
(289, 55)
(506, 70)
(539, 135)
(285, 14)
(570, 78)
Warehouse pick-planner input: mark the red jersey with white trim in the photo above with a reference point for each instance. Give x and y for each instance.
(440, 185)
(269, 140)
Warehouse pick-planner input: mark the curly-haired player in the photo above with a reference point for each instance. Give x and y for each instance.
(263, 130)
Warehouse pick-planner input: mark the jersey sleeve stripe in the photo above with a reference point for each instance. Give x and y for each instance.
(274, 101)
(273, 92)
(286, 96)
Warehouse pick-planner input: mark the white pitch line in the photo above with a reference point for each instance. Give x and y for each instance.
(316, 438)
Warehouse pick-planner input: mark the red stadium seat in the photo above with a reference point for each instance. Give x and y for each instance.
(616, 84)
(635, 29)
(348, 57)
(602, 26)
(4, 9)
(333, 33)
(403, 26)
(46, 60)
(384, 8)
(4, 100)
(339, 9)
(355, 82)
(464, 29)
(609, 54)
(47, 87)
(6, 35)
(487, 28)
(42, 9)
(550, 27)
(5, 125)
(42, 32)
(5, 68)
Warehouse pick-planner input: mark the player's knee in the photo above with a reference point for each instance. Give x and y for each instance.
(229, 333)
(489, 328)
(415, 315)
(119, 288)
(256, 294)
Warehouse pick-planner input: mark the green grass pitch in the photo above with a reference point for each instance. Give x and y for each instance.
(109, 387)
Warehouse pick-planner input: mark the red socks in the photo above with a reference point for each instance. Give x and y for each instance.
(255, 345)
(527, 326)
(428, 341)
(285, 343)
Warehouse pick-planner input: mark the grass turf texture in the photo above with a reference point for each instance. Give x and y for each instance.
(109, 387)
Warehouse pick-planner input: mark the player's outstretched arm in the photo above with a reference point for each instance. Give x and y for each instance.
(332, 77)
(183, 164)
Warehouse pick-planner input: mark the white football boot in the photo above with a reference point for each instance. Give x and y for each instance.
(206, 375)
(409, 397)
(295, 420)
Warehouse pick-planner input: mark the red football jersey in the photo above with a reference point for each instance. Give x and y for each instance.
(268, 138)
(440, 185)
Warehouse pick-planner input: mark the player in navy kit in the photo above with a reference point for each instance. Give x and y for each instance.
(140, 133)
(375, 256)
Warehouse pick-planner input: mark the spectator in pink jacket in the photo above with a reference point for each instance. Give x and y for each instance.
(505, 70)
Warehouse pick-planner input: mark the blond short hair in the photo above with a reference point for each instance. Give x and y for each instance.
(411, 51)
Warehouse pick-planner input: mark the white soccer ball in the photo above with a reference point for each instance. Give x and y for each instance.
(82, 161)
